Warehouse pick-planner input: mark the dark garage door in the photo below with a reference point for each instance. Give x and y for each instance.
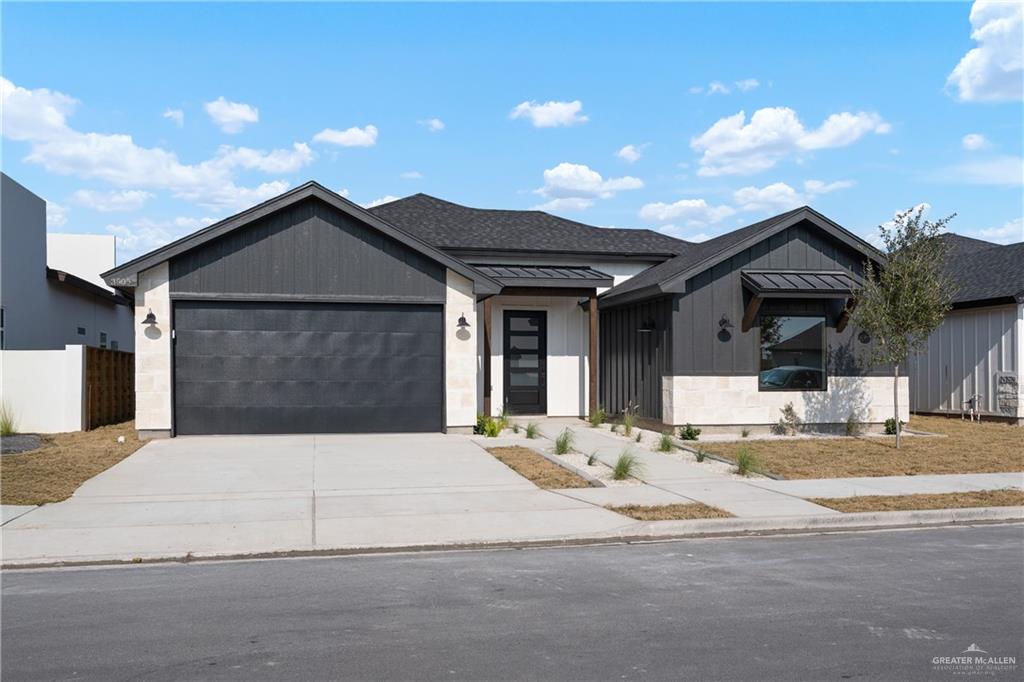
(307, 367)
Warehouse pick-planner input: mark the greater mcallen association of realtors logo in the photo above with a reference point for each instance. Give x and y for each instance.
(975, 661)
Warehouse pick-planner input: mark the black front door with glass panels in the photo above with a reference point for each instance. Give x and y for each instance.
(526, 362)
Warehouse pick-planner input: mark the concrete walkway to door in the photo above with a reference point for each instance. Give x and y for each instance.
(260, 494)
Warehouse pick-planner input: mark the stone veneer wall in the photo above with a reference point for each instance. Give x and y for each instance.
(735, 400)
(153, 353)
(460, 361)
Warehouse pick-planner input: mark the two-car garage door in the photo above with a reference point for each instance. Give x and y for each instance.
(259, 367)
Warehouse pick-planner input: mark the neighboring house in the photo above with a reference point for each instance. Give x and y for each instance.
(979, 348)
(51, 291)
(53, 304)
(308, 313)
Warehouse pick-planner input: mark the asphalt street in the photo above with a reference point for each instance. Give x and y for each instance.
(870, 605)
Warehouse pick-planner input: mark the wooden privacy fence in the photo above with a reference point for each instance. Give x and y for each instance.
(109, 387)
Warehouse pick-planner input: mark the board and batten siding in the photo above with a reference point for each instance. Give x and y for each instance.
(633, 362)
(964, 356)
(699, 349)
(308, 251)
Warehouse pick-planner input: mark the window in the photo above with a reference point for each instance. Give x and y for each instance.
(792, 354)
(81, 331)
(103, 339)
(113, 345)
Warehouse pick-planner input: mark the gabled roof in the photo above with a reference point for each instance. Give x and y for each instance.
(457, 228)
(126, 275)
(671, 276)
(987, 276)
(959, 244)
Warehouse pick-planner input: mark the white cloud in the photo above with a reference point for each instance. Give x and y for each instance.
(434, 125)
(631, 153)
(733, 146)
(819, 187)
(56, 215)
(176, 115)
(1011, 231)
(550, 114)
(691, 212)
(680, 232)
(581, 183)
(39, 117)
(695, 89)
(874, 235)
(108, 202)
(972, 142)
(231, 117)
(144, 235)
(411, 175)
(387, 199)
(344, 192)
(351, 137)
(718, 88)
(1004, 171)
(747, 84)
(776, 197)
(565, 204)
(994, 70)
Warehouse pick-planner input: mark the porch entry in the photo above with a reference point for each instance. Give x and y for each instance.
(525, 358)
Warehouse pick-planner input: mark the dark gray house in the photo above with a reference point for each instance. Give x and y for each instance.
(978, 351)
(308, 313)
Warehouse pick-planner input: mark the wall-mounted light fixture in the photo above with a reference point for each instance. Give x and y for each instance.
(724, 323)
(150, 318)
(648, 326)
(462, 323)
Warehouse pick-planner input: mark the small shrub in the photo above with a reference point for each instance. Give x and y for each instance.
(492, 428)
(481, 424)
(639, 435)
(597, 417)
(515, 428)
(665, 443)
(614, 428)
(701, 454)
(503, 418)
(689, 432)
(890, 426)
(532, 430)
(626, 466)
(790, 422)
(746, 462)
(592, 460)
(854, 426)
(628, 422)
(563, 444)
(8, 422)
(779, 428)
(744, 432)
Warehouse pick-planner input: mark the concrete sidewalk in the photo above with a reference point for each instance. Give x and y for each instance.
(684, 481)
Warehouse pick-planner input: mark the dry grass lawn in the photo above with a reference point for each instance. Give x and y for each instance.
(987, 447)
(869, 503)
(536, 469)
(64, 462)
(670, 512)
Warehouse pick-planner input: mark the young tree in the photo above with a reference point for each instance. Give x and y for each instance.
(902, 303)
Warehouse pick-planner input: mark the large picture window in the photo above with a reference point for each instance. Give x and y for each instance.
(792, 353)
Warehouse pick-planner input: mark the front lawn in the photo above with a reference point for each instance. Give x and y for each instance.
(870, 503)
(65, 461)
(537, 469)
(988, 447)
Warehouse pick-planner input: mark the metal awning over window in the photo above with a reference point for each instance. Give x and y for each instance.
(551, 276)
(800, 283)
(797, 284)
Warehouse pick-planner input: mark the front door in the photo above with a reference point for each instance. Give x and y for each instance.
(526, 361)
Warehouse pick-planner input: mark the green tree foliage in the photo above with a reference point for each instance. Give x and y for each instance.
(901, 304)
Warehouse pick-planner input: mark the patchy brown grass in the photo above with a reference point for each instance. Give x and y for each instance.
(869, 503)
(988, 447)
(670, 512)
(65, 461)
(536, 469)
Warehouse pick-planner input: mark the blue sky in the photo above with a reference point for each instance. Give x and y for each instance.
(149, 121)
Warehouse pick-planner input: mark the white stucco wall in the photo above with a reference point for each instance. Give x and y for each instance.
(461, 364)
(735, 400)
(45, 389)
(153, 351)
(567, 352)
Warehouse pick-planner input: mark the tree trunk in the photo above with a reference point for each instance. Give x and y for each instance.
(896, 400)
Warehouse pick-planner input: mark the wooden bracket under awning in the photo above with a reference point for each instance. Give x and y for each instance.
(844, 318)
(751, 312)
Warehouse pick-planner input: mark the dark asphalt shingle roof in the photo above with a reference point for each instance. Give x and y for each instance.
(986, 274)
(959, 244)
(446, 225)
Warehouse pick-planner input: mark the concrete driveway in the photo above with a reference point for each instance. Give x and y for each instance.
(254, 494)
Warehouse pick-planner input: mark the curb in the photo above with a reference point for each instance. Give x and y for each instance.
(634, 533)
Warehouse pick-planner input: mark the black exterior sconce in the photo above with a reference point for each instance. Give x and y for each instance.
(150, 318)
(724, 325)
(462, 323)
(648, 326)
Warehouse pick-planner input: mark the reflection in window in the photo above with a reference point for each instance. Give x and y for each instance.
(792, 353)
